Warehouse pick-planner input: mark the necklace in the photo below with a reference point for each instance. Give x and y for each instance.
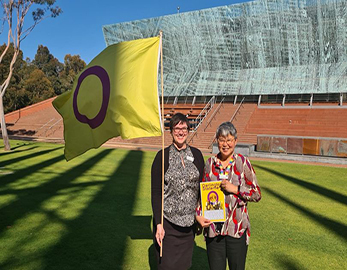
(223, 173)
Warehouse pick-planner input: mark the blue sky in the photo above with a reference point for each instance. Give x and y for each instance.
(78, 30)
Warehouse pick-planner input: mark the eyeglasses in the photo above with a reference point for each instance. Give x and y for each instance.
(177, 130)
(228, 141)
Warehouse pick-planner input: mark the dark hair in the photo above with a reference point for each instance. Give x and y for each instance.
(176, 119)
(226, 129)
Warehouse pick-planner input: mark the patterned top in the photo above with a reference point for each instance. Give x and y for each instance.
(181, 187)
(241, 174)
(156, 178)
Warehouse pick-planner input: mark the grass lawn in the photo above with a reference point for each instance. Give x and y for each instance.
(94, 212)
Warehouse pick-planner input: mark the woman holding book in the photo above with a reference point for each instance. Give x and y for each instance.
(229, 240)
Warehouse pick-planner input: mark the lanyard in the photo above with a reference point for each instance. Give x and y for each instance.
(224, 173)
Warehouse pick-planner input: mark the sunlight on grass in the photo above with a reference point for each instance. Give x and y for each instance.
(94, 212)
(143, 190)
(71, 202)
(7, 199)
(137, 254)
(33, 181)
(305, 214)
(28, 238)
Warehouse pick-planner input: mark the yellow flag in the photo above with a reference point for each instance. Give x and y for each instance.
(115, 95)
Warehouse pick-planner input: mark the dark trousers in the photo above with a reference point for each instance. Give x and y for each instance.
(221, 248)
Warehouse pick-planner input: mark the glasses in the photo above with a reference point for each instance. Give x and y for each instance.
(228, 141)
(177, 130)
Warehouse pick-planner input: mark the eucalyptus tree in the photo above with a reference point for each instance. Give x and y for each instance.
(14, 13)
(50, 66)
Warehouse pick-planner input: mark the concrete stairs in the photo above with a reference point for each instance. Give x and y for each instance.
(240, 122)
(204, 136)
(38, 120)
(206, 132)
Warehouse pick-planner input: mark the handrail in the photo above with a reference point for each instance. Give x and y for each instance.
(209, 105)
(237, 110)
(55, 123)
(214, 113)
(232, 118)
(202, 115)
(46, 124)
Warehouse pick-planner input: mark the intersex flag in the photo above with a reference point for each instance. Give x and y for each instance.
(115, 95)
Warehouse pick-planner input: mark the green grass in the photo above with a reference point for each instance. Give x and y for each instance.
(94, 212)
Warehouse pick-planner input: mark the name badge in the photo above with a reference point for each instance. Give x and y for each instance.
(190, 158)
(223, 177)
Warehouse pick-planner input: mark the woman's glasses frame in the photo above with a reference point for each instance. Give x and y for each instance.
(228, 141)
(177, 129)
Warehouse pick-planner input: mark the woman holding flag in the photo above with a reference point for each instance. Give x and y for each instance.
(229, 239)
(183, 170)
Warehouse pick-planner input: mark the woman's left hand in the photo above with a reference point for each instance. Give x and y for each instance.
(204, 222)
(228, 187)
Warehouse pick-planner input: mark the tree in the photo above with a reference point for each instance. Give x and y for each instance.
(17, 10)
(38, 86)
(50, 65)
(13, 97)
(73, 64)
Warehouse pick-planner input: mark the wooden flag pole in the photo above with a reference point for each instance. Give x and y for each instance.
(162, 117)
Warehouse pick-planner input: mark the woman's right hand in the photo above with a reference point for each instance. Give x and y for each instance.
(159, 235)
(204, 222)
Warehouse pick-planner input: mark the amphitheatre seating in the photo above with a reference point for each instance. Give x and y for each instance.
(42, 120)
(204, 136)
(39, 120)
(191, 111)
(314, 122)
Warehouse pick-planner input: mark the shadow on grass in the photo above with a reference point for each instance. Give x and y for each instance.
(14, 151)
(151, 258)
(199, 260)
(336, 227)
(30, 199)
(330, 194)
(22, 144)
(19, 174)
(288, 263)
(25, 157)
(97, 238)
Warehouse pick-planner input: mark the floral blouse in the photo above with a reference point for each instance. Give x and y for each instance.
(241, 174)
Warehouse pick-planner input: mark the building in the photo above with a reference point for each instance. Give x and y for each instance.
(292, 48)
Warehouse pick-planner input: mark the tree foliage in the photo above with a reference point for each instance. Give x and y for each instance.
(14, 14)
(50, 66)
(73, 64)
(38, 86)
(39, 79)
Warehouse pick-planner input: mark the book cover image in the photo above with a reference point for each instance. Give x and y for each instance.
(212, 201)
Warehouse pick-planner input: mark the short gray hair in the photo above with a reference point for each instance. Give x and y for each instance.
(226, 129)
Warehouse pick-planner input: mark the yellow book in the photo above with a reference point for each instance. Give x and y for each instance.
(212, 201)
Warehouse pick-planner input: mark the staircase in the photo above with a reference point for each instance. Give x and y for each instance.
(204, 135)
(38, 120)
(240, 122)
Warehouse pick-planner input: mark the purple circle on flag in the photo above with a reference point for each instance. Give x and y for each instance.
(106, 90)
